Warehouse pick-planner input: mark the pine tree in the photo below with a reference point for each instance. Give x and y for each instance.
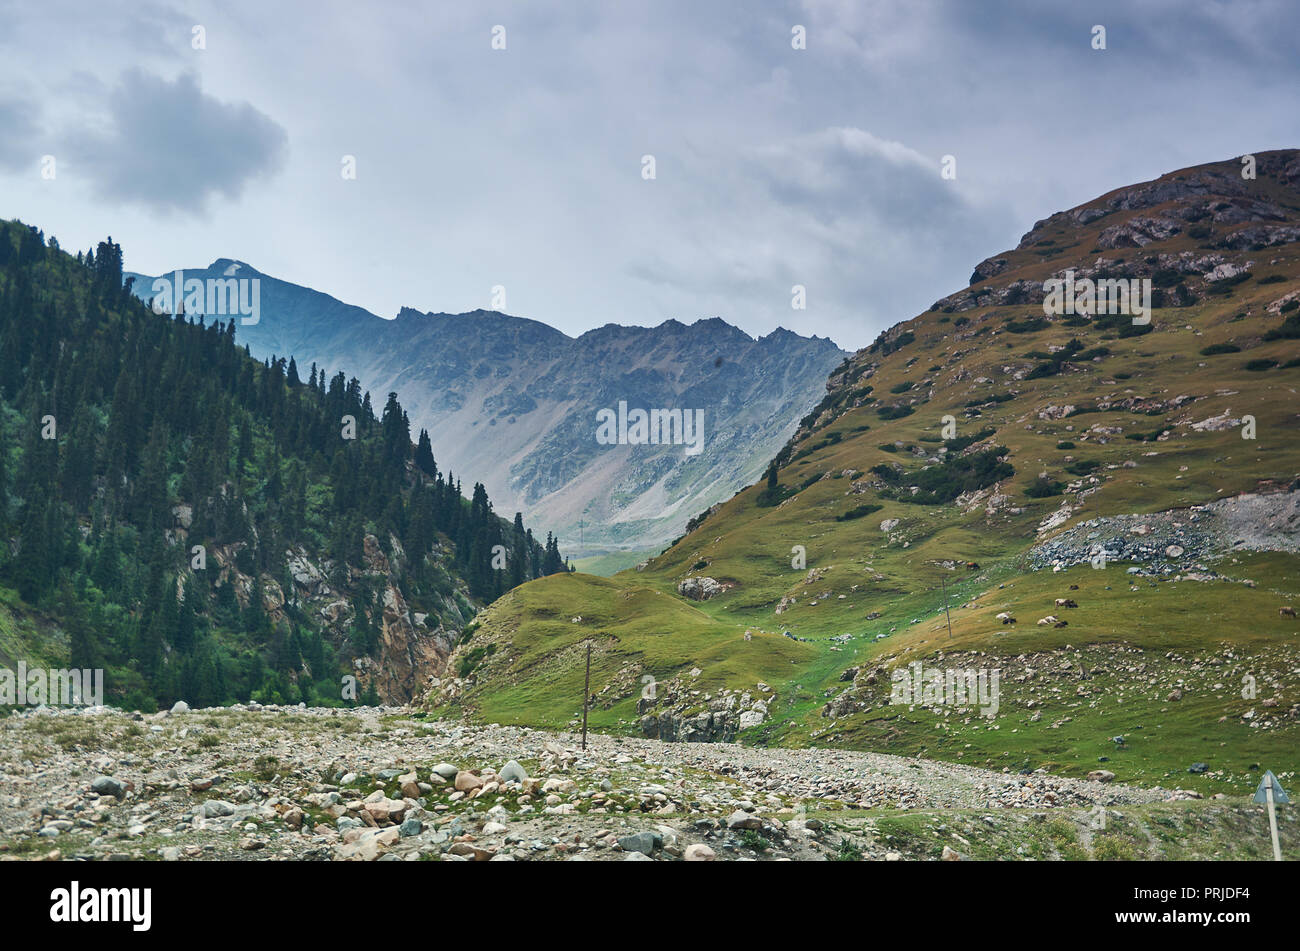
(157, 410)
(424, 456)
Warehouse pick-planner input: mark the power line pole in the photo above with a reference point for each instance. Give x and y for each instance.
(586, 697)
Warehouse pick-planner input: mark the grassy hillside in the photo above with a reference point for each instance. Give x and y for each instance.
(1050, 422)
(530, 650)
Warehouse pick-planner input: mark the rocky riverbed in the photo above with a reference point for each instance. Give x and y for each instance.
(381, 784)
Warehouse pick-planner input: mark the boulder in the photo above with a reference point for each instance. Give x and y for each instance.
(643, 842)
(701, 588)
(108, 786)
(467, 781)
(743, 820)
(512, 772)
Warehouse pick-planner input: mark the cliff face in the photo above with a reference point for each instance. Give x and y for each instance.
(411, 647)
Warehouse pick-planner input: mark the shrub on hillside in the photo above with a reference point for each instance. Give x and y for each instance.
(859, 512)
(894, 412)
(942, 483)
(1042, 488)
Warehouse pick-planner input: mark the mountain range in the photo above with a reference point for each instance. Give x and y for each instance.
(515, 401)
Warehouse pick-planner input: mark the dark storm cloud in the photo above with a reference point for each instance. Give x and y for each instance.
(521, 167)
(170, 147)
(18, 135)
(859, 222)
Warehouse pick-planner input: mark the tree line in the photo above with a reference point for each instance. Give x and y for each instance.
(131, 442)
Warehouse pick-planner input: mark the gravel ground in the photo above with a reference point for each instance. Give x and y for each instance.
(296, 783)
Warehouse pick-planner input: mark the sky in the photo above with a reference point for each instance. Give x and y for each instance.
(198, 131)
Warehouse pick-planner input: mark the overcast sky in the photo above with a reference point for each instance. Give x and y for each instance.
(522, 167)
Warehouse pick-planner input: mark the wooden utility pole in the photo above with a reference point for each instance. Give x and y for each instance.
(944, 578)
(586, 696)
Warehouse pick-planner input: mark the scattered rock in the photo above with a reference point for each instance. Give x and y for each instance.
(108, 786)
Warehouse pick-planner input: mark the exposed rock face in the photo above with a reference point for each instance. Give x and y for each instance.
(1180, 540)
(407, 653)
(703, 727)
(1197, 184)
(1139, 232)
(987, 269)
(701, 589)
(1261, 236)
(1214, 424)
(680, 714)
(184, 516)
(1224, 272)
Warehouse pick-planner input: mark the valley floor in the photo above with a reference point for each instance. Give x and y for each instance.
(369, 783)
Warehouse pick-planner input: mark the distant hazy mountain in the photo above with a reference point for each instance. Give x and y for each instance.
(514, 403)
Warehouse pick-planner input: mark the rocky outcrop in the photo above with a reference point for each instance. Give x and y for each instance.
(679, 714)
(1139, 232)
(1223, 181)
(987, 269)
(702, 727)
(701, 588)
(869, 688)
(1260, 236)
